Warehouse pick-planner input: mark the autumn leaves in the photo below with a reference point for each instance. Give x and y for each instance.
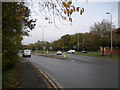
(61, 8)
(69, 9)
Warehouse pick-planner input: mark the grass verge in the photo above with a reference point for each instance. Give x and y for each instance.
(97, 54)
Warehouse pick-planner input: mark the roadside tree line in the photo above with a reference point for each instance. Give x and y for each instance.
(16, 23)
(99, 35)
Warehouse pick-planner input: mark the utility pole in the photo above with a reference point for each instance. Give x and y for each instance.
(111, 32)
(42, 36)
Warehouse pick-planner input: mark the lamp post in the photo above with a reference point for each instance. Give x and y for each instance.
(111, 31)
(42, 36)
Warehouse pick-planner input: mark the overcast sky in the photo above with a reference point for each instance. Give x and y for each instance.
(94, 12)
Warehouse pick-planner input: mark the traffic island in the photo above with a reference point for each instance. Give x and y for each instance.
(64, 57)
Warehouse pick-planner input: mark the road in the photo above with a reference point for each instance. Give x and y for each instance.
(85, 73)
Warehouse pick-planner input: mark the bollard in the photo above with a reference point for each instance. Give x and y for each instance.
(64, 55)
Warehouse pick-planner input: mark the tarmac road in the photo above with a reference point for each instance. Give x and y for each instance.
(79, 74)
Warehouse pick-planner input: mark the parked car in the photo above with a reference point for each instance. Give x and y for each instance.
(71, 51)
(83, 51)
(26, 53)
(59, 53)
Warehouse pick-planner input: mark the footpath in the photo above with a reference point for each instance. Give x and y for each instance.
(29, 77)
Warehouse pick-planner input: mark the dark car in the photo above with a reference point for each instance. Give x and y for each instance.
(83, 51)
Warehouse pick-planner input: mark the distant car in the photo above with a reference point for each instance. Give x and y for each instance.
(83, 51)
(71, 51)
(26, 53)
(59, 53)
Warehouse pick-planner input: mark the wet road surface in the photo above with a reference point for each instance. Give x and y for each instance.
(85, 73)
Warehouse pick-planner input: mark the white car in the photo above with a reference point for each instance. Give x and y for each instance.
(59, 53)
(71, 51)
(26, 53)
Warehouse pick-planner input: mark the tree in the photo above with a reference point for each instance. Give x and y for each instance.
(15, 24)
(66, 41)
(102, 31)
(57, 45)
(60, 10)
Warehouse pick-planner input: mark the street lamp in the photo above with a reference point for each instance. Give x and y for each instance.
(42, 35)
(111, 31)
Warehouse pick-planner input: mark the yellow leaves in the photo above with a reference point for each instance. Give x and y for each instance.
(69, 3)
(69, 9)
(65, 5)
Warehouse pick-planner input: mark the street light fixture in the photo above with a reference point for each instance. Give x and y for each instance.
(42, 35)
(111, 31)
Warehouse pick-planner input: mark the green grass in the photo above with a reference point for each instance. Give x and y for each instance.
(97, 54)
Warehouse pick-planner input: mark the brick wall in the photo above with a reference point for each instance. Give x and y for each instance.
(107, 51)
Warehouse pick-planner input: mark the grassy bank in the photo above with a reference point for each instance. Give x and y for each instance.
(97, 54)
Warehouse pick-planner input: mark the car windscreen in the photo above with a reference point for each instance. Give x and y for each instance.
(27, 51)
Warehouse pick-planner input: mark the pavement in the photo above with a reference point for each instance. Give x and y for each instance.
(29, 77)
